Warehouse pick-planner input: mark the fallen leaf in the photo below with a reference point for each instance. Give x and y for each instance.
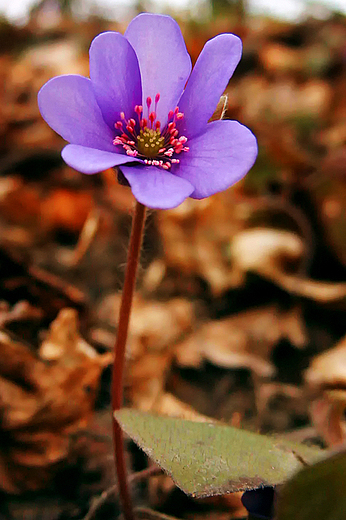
(43, 403)
(326, 380)
(244, 340)
(266, 251)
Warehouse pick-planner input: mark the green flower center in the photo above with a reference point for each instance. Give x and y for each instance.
(150, 142)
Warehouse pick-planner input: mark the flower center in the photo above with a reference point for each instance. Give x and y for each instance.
(150, 142)
(145, 140)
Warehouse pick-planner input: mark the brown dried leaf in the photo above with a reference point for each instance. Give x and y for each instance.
(196, 234)
(266, 251)
(244, 340)
(329, 368)
(326, 379)
(168, 404)
(154, 325)
(42, 404)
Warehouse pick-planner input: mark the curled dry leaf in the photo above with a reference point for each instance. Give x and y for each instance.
(43, 403)
(155, 327)
(196, 234)
(244, 340)
(326, 379)
(267, 251)
(22, 310)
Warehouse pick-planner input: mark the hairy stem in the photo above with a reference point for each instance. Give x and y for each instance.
(119, 349)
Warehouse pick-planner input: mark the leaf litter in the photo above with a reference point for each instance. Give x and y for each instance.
(238, 294)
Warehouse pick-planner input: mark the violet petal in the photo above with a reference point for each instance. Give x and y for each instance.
(163, 59)
(208, 80)
(90, 160)
(218, 158)
(67, 103)
(156, 187)
(115, 76)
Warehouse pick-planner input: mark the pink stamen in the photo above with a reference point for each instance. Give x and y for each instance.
(152, 117)
(131, 130)
(157, 99)
(148, 101)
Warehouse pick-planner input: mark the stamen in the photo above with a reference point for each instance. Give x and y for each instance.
(157, 99)
(152, 117)
(148, 104)
(145, 140)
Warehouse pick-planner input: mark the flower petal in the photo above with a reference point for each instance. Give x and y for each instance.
(90, 160)
(115, 76)
(163, 59)
(218, 158)
(207, 82)
(67, 103)
(155, 187)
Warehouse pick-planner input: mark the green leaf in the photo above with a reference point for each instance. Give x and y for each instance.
(317, 492)
(210, 458)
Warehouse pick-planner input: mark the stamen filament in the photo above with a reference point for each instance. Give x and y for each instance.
(143, 138)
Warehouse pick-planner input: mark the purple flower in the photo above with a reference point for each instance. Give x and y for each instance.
(134, 112)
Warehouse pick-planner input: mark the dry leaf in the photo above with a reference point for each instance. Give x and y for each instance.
(154, 325)
(196, 235)
(168, 404)
(244, 340)
(266, 251)
(326, 379)
(42, 404)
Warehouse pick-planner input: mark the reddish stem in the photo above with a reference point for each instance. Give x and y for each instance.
(119, 349)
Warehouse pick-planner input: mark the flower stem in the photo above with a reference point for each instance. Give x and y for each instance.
(119, 350)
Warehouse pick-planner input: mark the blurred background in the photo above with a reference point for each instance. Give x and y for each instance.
(240, 308)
